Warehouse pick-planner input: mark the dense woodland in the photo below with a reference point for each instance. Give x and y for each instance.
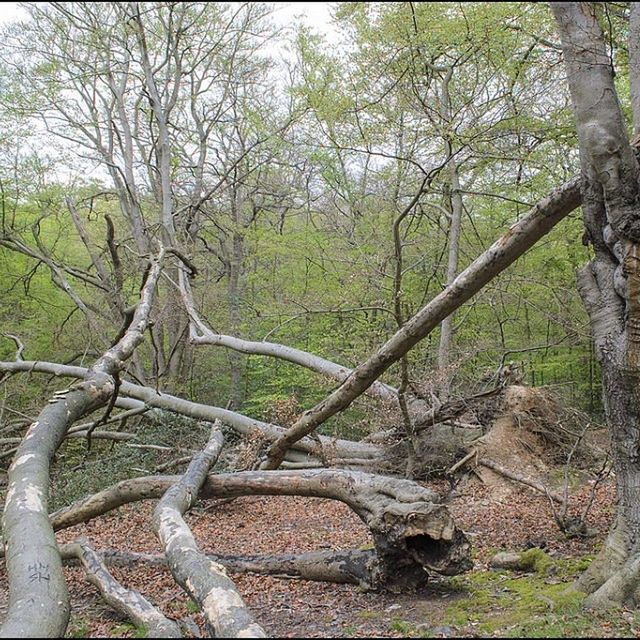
(284, 265)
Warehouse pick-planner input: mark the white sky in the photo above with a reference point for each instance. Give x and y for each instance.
(9, 11)
(315, 14)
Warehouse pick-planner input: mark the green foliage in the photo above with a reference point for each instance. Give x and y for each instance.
(126, 629)
(320, 196)
(77, 474)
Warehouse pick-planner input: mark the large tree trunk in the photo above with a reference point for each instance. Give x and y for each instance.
(610, 284)
(413, 531)
(38, 597)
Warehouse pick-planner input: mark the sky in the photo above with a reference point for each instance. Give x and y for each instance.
(9, 11)
(315, 14)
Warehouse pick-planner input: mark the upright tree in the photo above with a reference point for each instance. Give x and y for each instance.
(610, 284)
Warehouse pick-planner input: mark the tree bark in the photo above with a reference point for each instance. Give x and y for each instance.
(453, 239)
(139, 397)
(413, 532)
(38, 597)
(610, 284)
(205, 581)
(130, 603)
(352, 566)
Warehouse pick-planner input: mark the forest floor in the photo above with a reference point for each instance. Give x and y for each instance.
(481, 603)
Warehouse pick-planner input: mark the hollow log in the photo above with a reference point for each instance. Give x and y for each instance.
(413, 532)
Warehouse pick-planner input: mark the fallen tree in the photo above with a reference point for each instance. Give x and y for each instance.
(38, 597)
(134, 397)
(518, 239)
(342, 567)
(205, 581)
(131, 603)
(413, 532)
(412, 529)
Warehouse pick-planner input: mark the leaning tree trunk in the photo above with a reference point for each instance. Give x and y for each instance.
(610, 284)
(502, 253)
(38, 596)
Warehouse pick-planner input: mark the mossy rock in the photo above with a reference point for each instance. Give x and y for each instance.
(533, 560)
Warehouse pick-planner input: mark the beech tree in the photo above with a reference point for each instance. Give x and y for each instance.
(608, 285)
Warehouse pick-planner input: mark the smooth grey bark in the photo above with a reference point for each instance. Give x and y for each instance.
(205, 581)
(609, 285)
(38, 597)
(453, 239)
(234, 291)
(128, 602)
(201, 334)
(520, 237)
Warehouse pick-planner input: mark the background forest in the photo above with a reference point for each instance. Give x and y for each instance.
(323, 198)
(310, 192)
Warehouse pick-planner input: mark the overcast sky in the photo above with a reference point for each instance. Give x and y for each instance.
(315, 14)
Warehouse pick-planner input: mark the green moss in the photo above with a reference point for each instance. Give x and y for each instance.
(192, 607)
(498, 601)
(536, 560)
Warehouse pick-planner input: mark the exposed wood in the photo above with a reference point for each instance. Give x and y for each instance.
(412, 530)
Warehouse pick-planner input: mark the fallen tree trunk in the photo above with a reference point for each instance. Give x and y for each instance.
(413, 532)
(130, 603)
(38, 596)
(352, 566)
(139, 396)
(518, 239)
(522, 479)
(205, 581)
